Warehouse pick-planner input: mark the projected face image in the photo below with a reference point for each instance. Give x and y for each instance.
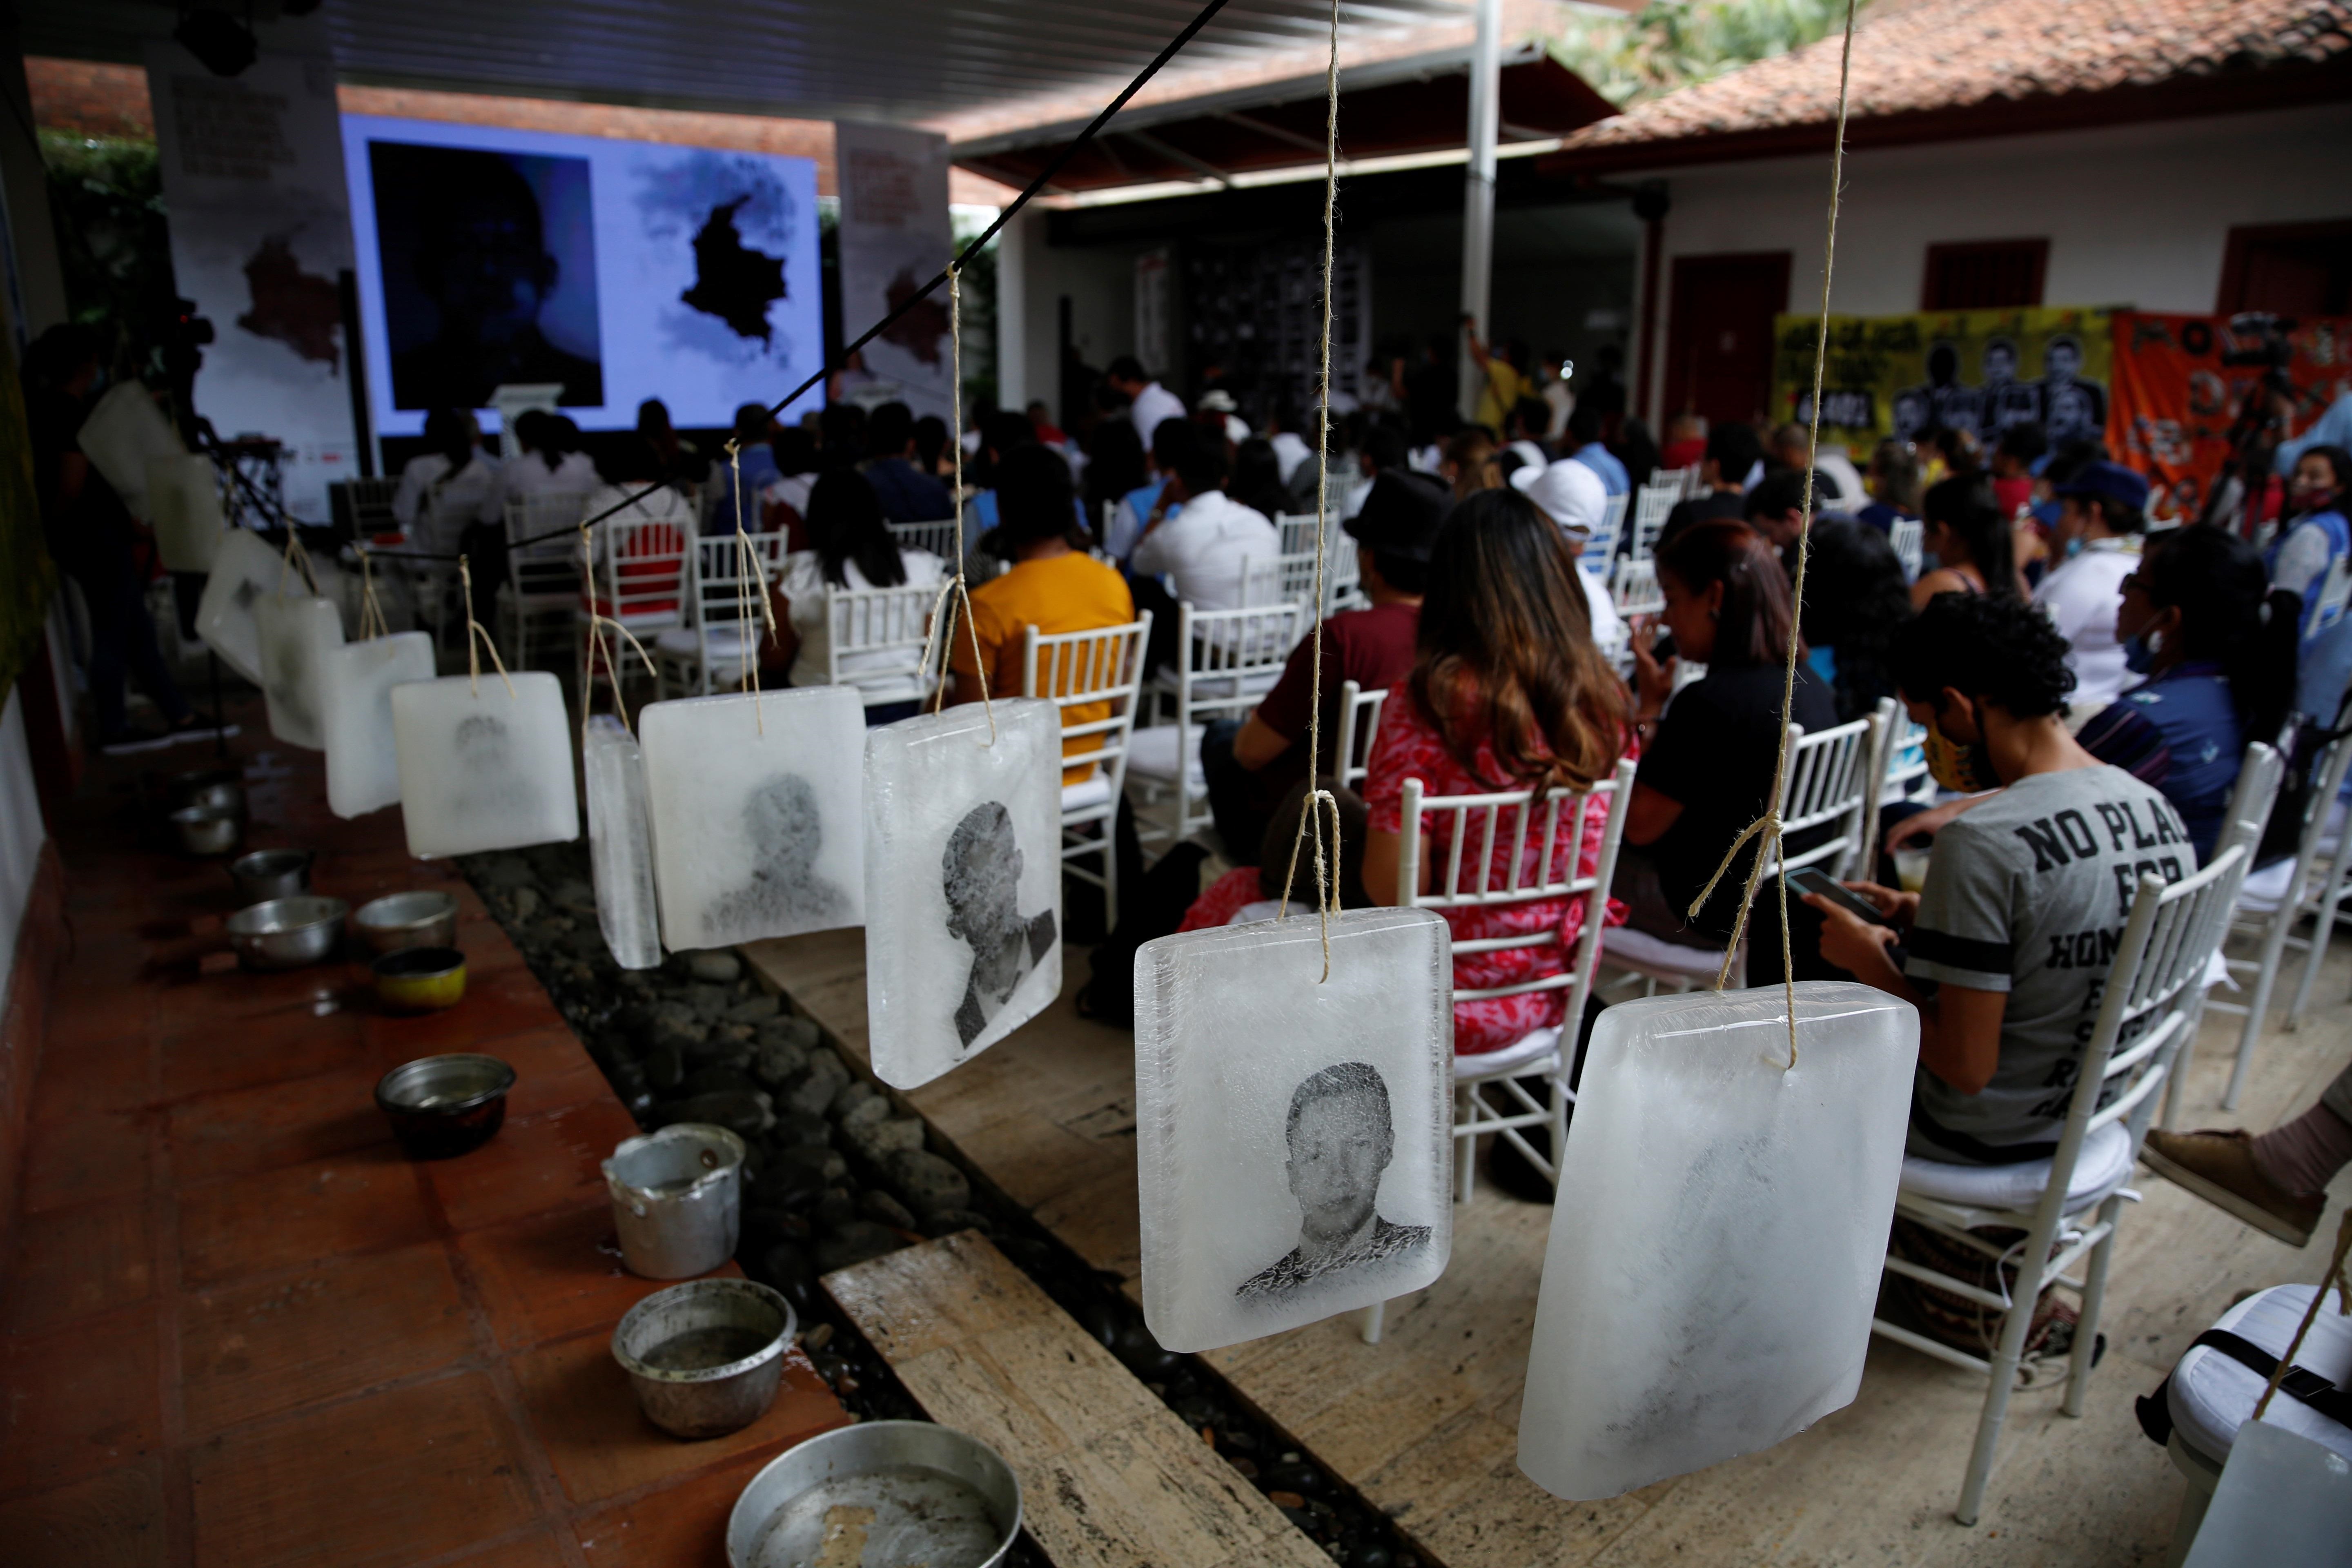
(489, 274)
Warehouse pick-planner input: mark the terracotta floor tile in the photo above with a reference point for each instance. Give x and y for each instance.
(394, 1477)
(273, 1124)
(512, 1003)
(553, 1276)
(253, 1350)
(249, 1224)
(548, 1163)
(680, 1524)
(80, 1400)
(113, 1519)
(585, 1417)
(82, 1075)
(540, 1550)
(74, 1263)
(236, 1052)
(554, 1071)
(84, 1159)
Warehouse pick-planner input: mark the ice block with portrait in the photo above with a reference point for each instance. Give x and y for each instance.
(297, 634)
(620, 850)
(355, 711)
(484, 765)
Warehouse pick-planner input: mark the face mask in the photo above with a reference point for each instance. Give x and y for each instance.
(1960, 766)
(2074, 547)
(2139, 652)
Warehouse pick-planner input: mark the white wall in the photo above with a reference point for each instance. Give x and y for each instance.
(21, 833)
(2135, 215)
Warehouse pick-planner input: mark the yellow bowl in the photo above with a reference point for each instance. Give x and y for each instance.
(420, 979)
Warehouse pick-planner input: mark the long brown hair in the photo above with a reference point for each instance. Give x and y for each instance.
(1505, 653)
(1752, 627)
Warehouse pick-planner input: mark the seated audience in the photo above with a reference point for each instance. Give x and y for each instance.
(676, 460)
(1731, 450)
(1839, 486)
(1115, 468)
(1686, 443)
(2001, 1028)
(1854, 594)
(1148, 501)
(2276, 1181)
(850, 547)
(1584, 447)
(1054, 585)
(1969, 540)
(1569, 494)
(1507, 692)
(1383, 449)
(931, 454)
(446, 486)
(2102, 514)
(1633, 447)
(908, 494)
(1468, 465)
(1251, 764)
(1206, 545)
(2315, 535)
(549, 463)
(1257, 479)
(1893, 484)
(754, 459)
(656, 552)
(1708, 758)
(1524, 429)
(784, 499)
(2021, 449)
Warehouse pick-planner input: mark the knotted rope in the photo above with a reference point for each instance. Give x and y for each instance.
(474, 629)
(372, 622)
(749, 570)
(956, 585)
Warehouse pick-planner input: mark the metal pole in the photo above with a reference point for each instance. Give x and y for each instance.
(1478, 192)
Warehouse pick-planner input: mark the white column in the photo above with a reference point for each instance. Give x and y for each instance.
(1478, 190)
(1013, 313)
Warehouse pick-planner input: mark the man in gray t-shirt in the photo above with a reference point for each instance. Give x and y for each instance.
(2010, 942)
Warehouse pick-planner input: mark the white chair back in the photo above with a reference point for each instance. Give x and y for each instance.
(877, 638)
(1603, 544)
(1908, 536)
(2335, 591)
(1651, 506)
(1231, 658)
(938, 536)
(1100, 670)
(729, 575)
(539, 566)
(1297, 531)
(1359, 724)
(1683, 480)
(1904, 765)
(1830, 779)
(1634, 588)
(641, 581)
(370, 505)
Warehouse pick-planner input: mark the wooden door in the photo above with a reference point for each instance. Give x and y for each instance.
(1720, 334)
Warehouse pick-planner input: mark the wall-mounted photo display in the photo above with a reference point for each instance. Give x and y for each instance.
(757, 830)
(1714, 1258)
(363, 764)
(620, 846)
(298, 631)
(1294, 1133)
(963, 883)
(484, 764)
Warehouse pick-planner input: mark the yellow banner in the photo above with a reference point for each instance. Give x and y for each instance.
(1907, 376)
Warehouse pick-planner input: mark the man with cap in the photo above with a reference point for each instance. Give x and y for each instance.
(1253, 763)
(1573, 496)
(2102, 513)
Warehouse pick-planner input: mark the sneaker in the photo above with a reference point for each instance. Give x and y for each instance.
(2220, 1168)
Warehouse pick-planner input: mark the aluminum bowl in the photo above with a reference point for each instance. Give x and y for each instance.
(208, 829)
(420, 979)
(420, 919)
(287, 934)
(271, 874)
(706, 1356)
(441, 1107)
(938, 1496)
(223, 787)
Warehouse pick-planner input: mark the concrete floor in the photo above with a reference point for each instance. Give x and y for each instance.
(1425, 1423)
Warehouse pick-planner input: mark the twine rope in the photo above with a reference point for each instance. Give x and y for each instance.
(372, 622)
(1326, 880)
(2335, 1276)
(1767, 829)
(474, 629)
(956, 585)
(295, 559)
(749, 570)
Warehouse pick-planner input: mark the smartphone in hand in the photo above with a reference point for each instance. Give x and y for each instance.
(1813, 880)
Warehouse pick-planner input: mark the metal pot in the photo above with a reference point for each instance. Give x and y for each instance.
(441, 1107)
(677, 1199)
(271, 874)
(706, 1356)
(287, 934)
(420, 979)
(223, 787)
(208, 829)
(421, 918)
(936, 1496)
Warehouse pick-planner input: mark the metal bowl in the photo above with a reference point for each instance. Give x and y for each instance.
(223, 787)
(937, 1496)
(420, 979)
(208, 829)
(441, 1107)
(271, 874)
(706, 1356)
(408, 919)
(287, 934)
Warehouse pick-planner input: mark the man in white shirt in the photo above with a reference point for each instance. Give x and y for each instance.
(1148, 402)
(1207, 547)
(2102, 512)
(1570, 494)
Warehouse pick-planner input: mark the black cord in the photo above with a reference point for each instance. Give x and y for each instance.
(1044, 176)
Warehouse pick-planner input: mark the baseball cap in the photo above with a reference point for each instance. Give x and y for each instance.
(1402, 514)
(2108, 482)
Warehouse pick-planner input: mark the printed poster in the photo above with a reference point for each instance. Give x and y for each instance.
(895, 238)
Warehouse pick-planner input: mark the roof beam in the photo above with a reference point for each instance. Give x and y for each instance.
(1177, 155)
(1292, 138)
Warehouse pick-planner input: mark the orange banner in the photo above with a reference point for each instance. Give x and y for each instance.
(2176, 399)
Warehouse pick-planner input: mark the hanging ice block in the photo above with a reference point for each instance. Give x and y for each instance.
(756, 826)
(184, 494)
(481, 768)
(963, 883)
(620, 850)
(244, 569)
(1716, 1245)
(1293, 1139)
(297, 634)
(363, 765)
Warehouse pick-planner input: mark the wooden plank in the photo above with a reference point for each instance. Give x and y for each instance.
(1109, 1476)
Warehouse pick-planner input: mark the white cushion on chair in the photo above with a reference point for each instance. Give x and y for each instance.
(2105, 1164)
(1533, 1048)
(2211, 1395)
(1625, 945)
(725, 642)
(2264, 889)
(1086, 793)
(1153, 753)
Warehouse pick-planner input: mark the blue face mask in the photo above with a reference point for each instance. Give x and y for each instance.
(2074, 547)
(2045, 512)
(2139, 652)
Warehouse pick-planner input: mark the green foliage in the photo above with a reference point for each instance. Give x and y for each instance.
(106, 196)
(979, 291)
(1674, 43)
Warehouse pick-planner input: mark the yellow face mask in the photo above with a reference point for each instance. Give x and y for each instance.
(1960, 766)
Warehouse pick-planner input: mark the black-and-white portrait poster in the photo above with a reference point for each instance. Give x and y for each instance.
(963, 883)
(752, 797)
(1293, 1138)
(484, 764)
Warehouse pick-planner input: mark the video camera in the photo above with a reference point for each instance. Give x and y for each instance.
(2257, 338)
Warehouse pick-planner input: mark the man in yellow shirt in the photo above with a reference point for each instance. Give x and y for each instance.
(1053, 586)
(1505, 382)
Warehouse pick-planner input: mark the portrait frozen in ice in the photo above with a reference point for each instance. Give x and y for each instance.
(784, 834)
(1341, 1138)
(297, 636)
(356, 683)
(483, 767)
(982, 875)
